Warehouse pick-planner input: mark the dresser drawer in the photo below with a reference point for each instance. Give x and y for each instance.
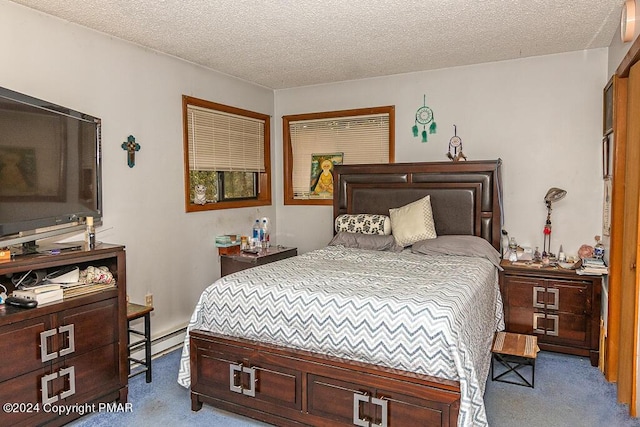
(20, 346)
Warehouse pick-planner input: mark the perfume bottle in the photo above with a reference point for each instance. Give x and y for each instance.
(537, 256)
(513, 249)
(90, 237)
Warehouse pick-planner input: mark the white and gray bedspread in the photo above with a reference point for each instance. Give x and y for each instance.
(434, 315)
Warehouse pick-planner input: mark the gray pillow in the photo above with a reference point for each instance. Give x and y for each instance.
(374, 242)
(458, 245)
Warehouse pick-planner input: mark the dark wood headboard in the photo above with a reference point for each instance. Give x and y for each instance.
(466, 197)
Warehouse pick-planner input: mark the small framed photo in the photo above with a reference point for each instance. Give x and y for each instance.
(321, 184)
(607, 108)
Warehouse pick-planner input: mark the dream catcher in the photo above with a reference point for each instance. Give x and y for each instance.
(455, 147)
(424, 116)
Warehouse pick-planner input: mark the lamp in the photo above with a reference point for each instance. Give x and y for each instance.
(553, 195)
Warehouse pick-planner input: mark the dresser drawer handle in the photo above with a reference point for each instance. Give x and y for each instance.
(45, 356)
(44, 388)
(71, 373)
(71, 347)
(556, 298)
(536, 301)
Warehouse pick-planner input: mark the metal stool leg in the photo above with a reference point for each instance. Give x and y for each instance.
(147, 345)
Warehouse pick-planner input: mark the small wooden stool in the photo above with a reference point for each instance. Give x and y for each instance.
(514, 351)
(136, 311)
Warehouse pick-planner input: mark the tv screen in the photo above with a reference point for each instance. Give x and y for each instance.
(50, 172)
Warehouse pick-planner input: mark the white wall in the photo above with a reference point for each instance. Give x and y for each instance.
(542, 116)
(135, 92)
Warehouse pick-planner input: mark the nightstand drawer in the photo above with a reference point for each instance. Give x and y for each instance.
(560, 295)
(232, 263)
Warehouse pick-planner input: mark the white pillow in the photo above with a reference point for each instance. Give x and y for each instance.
(413, 222)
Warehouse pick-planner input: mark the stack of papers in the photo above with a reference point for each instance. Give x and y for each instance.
(593, 267)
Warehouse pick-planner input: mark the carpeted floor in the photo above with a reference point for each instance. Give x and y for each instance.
(568, 392)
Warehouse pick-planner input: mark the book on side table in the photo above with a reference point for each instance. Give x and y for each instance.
(593, 266)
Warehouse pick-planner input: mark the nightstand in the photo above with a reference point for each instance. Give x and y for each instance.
(237, 262)
(558, 306)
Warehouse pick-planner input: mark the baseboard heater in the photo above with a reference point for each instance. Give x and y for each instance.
(163, 344)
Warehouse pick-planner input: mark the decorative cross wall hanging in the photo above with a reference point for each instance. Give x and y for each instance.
(424, 116)
(131, 146)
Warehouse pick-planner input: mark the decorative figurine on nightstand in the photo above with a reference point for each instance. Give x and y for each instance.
(455, 145)
(537, 256)
(598, 249)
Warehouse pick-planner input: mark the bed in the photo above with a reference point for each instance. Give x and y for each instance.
(350, 336)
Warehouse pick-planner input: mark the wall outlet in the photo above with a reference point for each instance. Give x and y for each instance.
(148, 300)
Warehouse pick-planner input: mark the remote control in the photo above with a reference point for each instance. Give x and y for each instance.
(21, 302)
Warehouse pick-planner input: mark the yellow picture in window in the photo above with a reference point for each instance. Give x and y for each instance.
(322, 174)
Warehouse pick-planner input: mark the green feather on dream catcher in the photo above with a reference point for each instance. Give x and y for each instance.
(424, 117)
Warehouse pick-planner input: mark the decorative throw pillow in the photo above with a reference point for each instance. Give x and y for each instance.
(374, 242)
(413, 222)
(363, 223)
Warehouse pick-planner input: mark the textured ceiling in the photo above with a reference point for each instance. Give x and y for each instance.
(288, 43)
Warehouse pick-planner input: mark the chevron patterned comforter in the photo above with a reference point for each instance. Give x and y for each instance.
(434, 315)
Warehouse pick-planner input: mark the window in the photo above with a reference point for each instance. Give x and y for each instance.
(226, 156)
(342, 137)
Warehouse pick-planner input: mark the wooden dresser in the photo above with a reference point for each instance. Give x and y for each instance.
(558, 306)
(66, 353)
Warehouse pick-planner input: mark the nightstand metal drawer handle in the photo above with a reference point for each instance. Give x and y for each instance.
(536, 329)
(556, 321)
(556, 298)
(536, 301)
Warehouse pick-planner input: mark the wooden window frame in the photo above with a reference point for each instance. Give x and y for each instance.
(287, 156)
(264, 178)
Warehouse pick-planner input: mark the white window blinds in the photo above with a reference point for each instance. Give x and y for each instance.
(220, 141)
(361, 139)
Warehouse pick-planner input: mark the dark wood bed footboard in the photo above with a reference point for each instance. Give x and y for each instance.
(287, 387)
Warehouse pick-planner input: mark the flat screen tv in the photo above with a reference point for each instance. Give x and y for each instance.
(50, 168)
